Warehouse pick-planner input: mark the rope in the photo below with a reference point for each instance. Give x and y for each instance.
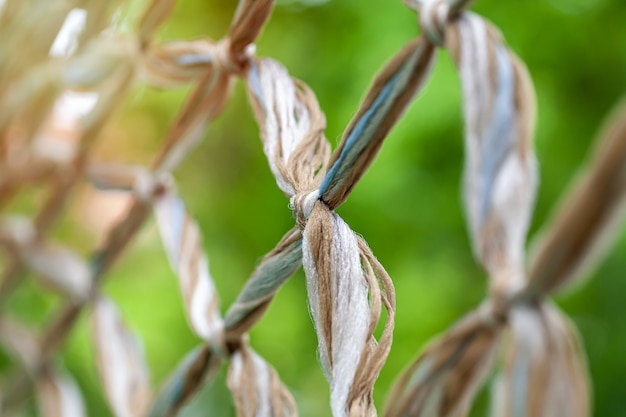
(543, 371)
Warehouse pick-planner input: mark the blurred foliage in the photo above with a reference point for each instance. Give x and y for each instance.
(408, 206)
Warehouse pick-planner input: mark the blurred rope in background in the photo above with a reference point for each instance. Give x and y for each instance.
(407, 207)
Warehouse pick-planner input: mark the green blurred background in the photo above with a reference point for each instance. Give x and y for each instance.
(408, 206)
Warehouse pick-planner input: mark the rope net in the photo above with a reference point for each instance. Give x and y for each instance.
(543, 371)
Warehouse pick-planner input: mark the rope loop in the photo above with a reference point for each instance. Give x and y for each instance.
(434, 17)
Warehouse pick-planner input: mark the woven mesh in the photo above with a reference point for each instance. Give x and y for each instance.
(58, 97)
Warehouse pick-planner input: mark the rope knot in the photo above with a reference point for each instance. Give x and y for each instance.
(434, 16)
(506, 289)
(493, 314)
(302, 205)
(149, 186)
(225, 60)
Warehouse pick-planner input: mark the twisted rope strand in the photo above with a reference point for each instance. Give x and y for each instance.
(338, 281)
(138, 212)
(544, 372)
